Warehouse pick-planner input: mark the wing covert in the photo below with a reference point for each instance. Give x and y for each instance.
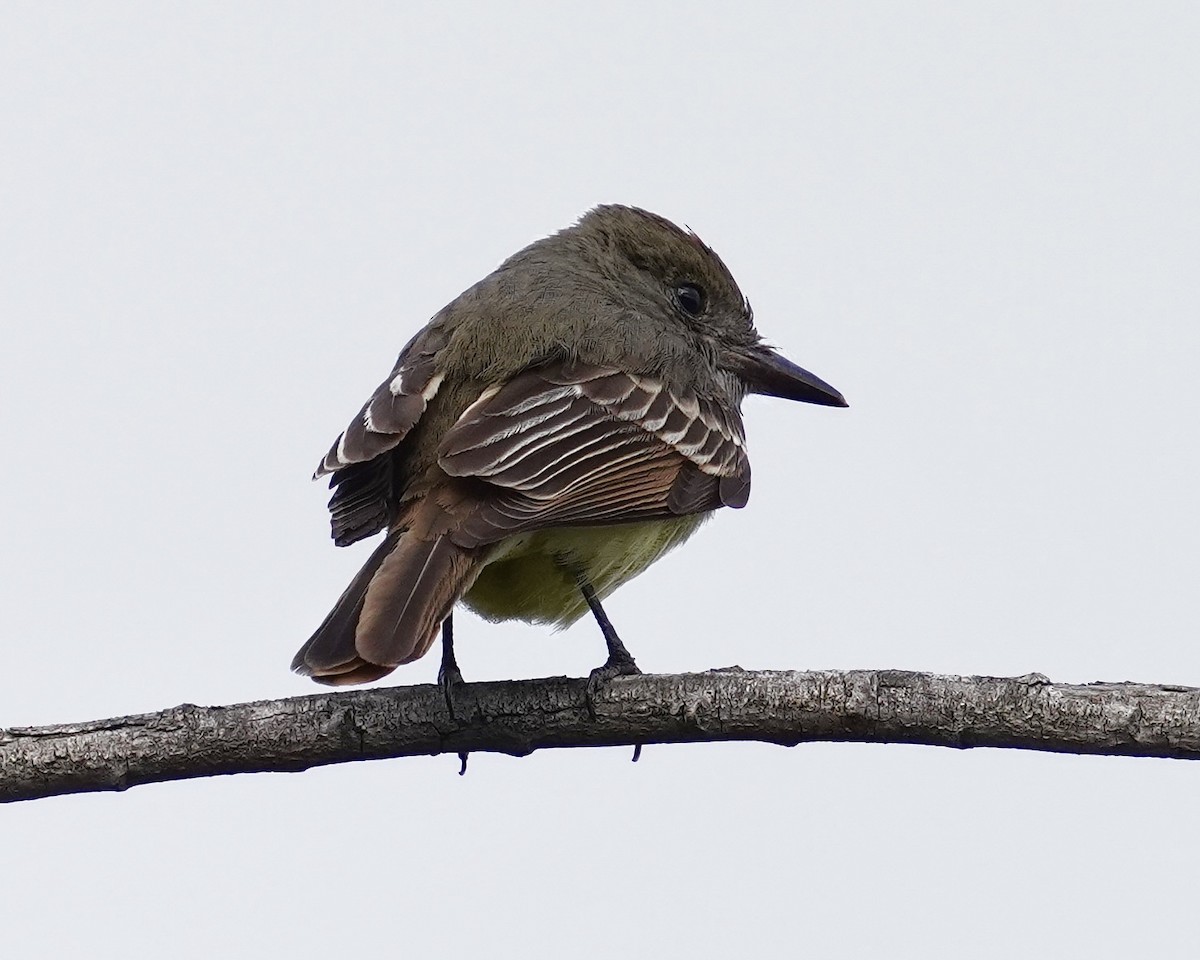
(574, 444)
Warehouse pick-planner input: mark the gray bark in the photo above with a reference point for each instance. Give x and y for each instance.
(518, 717)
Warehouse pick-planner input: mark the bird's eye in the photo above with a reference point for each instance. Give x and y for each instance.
(690, 299)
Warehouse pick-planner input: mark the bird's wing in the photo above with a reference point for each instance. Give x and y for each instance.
(362, 471)
(575, 444)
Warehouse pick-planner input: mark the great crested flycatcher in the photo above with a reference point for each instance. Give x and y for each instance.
(549, 435)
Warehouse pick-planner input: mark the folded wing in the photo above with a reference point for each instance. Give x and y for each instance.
(361, 458)
(573, 444)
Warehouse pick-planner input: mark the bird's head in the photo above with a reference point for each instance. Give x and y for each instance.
(685, 282)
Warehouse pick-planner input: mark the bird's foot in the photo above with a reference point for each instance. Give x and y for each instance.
(449, 676)
(618, 664)
(449, 680)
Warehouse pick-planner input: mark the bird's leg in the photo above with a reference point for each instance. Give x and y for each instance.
(448, 673)
(619, 663)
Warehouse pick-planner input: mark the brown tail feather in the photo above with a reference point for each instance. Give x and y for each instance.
(391, 612)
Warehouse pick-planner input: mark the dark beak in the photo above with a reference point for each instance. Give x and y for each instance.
(766, 372)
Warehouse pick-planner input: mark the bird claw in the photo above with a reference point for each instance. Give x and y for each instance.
(617, 665)
(447, 680)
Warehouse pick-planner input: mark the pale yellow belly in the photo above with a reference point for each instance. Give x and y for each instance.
(533, 576)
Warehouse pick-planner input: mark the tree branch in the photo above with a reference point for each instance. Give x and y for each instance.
(518, 717)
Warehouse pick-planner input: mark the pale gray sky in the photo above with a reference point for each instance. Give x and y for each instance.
(981, 222)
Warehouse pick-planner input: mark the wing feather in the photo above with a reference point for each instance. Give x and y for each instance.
(361, 460)
(394, 408)
(575, 444)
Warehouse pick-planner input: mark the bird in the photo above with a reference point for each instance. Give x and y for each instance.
(545, 438)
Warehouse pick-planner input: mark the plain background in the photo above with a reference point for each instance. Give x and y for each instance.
(981, 222)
